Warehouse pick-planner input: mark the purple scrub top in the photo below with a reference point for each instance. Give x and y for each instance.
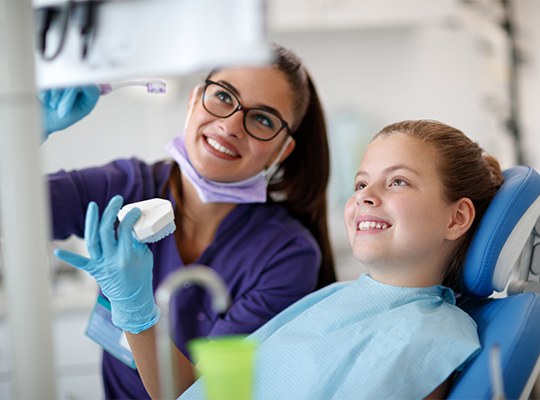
(267, 258)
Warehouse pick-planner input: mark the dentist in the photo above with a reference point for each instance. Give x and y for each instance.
(247, 183)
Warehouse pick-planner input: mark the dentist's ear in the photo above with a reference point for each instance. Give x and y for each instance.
(288, 147)
(462, 218)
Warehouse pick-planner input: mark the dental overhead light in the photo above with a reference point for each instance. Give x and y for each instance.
(88, 41)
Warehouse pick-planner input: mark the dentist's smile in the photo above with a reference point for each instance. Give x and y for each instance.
(220, 149)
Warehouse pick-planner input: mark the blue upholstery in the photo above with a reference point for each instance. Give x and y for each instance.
(512, 323)
(519, 191)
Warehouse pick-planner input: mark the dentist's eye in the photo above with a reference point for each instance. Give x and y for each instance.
(224, 97)
(262, 119)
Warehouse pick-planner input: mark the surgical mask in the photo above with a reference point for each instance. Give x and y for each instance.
(251, 190)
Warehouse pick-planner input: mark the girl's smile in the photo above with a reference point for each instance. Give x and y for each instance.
(368, 223)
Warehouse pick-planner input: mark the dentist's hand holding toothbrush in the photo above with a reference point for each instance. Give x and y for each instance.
(65, 106)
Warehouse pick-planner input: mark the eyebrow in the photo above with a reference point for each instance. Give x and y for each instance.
(259, 106)
(387, 170)
(230, 87)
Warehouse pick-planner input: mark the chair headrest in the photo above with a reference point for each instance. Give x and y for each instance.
(503, 232)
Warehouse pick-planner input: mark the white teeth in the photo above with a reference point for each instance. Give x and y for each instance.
(220, 148)
(367, 225)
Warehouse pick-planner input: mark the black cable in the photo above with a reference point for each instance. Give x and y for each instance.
(85, 14)
(45, 19)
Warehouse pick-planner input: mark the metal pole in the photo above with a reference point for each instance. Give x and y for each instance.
(24, 221)
(195, 273)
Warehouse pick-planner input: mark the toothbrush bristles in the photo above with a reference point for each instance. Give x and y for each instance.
(156, 87)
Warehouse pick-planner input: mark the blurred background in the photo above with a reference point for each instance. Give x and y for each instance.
(472, 64)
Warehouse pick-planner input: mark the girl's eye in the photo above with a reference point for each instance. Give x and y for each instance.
(398, 182)
(359, 185)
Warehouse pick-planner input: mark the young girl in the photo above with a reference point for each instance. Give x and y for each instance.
(395, 332)
(244, 199)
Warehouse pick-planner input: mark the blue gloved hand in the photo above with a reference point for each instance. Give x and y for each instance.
(64, 107)
(122, 267)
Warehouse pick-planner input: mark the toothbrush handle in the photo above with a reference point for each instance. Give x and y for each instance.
(105, 88)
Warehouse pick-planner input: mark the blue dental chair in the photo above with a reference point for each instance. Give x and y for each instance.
(502, 293)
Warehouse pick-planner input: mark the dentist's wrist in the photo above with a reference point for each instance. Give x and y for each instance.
(134, 318)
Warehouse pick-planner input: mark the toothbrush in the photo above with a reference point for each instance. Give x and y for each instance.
(152, 86)
(156, 221)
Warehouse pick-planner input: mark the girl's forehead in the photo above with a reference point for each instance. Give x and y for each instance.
(400, 143)
(399, 149)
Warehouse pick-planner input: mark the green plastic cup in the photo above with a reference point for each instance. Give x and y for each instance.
(225, 365)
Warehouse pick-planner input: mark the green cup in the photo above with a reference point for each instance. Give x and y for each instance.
(225, 365)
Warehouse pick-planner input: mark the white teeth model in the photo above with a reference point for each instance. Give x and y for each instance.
(156, 221)
(367, 225)
(220, 148)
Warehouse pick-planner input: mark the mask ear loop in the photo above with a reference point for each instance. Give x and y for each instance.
(191, 106)
(272, 169)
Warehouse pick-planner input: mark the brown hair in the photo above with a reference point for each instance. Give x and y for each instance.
(464, 169)
(303, 176)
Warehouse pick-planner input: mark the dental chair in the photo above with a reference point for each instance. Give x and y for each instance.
(501, 289)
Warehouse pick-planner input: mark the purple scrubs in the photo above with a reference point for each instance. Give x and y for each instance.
(267, 259)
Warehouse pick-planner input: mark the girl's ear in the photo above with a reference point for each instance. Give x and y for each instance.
(462, 218)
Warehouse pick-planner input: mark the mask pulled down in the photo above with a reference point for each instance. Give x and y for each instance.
(251, 190)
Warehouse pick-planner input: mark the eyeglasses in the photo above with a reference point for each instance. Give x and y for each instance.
(258, 122)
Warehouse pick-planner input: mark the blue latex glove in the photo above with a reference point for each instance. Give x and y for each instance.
(64, 107)
(121, 266)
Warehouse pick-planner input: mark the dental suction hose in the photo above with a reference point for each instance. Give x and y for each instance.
(197, 274)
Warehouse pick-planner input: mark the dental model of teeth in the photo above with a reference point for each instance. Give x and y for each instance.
(156, 221)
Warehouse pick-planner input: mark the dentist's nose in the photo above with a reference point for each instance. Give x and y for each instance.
(234, 125)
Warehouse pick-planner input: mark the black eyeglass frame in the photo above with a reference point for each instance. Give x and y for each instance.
(284, 124)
